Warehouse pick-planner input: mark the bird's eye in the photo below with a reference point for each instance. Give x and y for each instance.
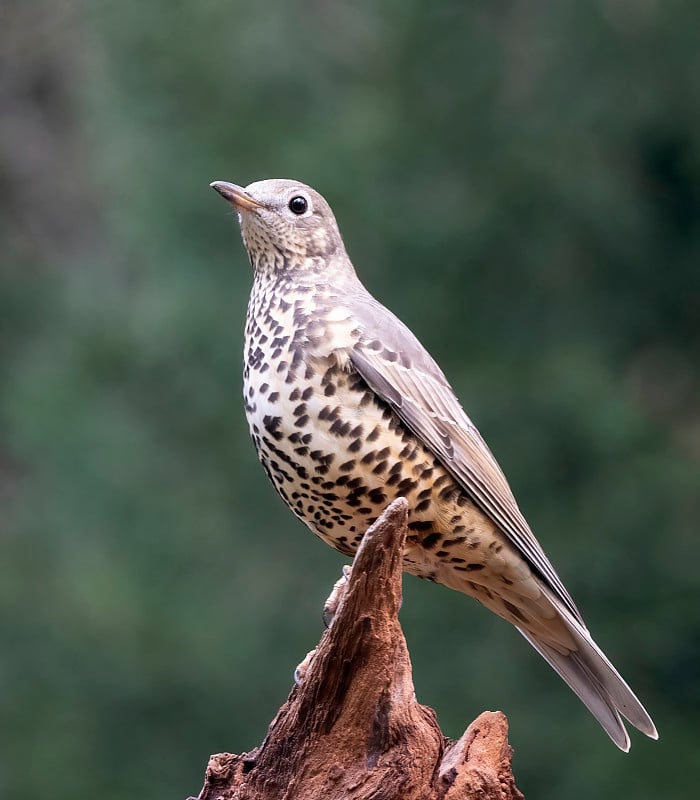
(298, 204)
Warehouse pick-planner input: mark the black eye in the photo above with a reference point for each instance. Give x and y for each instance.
(298, 204)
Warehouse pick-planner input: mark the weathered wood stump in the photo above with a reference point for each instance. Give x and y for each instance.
(353, 728)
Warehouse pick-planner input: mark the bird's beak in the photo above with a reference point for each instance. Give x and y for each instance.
(236, 195)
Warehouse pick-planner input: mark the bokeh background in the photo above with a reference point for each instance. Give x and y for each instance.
(520, 182)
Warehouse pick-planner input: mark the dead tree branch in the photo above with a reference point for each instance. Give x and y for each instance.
(353, 729)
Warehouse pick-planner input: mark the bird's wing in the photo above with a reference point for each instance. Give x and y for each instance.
(401, 372)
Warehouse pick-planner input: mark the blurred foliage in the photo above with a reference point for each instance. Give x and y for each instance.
(519, 181)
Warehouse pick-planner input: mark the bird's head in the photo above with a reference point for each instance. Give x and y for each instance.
(285, 224)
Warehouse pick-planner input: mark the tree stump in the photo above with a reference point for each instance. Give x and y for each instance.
(353, 729)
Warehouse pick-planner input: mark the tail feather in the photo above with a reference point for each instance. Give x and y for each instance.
(595, 681)
(578, 677)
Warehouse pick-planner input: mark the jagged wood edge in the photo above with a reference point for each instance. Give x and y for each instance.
(353, 728)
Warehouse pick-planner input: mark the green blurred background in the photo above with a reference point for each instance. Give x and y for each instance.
(520, 182)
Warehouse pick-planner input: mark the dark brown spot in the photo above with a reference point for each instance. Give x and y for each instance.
(329, 414)
(377, 496)
(515, 611)
(339, 428)
(374, 435)
(366, 399)
(325, 458)
(406, 485)
(271, 424)
(421, 525)
(447, 492)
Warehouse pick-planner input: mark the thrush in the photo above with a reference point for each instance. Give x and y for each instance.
(347, 411)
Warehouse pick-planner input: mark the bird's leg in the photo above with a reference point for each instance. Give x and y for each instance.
(330, 608)
(300, 671)
(331, 605)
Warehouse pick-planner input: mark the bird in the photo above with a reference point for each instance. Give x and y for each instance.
(348, 411)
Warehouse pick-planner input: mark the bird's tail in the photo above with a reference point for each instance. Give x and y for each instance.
(594, 679)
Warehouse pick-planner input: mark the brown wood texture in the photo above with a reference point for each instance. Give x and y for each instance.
(353, 729)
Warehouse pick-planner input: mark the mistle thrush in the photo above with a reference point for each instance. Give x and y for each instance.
(348, 411)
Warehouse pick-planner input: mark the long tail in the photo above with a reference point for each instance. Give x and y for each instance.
(596, 682)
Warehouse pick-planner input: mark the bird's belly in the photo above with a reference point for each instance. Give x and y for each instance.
(338, 456)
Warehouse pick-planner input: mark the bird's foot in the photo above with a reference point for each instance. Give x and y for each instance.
(301, 670)
(331, 605)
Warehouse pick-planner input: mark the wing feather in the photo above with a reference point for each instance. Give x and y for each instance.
(404, 375)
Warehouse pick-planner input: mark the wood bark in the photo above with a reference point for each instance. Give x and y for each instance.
(352, 728)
